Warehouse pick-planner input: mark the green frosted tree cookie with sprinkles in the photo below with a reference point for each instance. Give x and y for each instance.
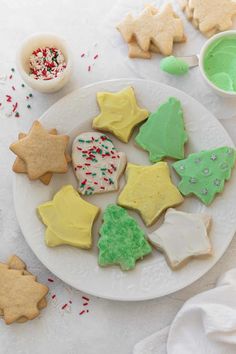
(163, 134)
(122, 241)
(204, 173)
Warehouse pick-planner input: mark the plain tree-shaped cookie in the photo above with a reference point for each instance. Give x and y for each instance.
(19, 295)
(210, 16)
(213, 14)
(162, 29)
(14, 262)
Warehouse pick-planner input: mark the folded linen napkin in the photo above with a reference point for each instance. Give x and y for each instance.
(206, 324)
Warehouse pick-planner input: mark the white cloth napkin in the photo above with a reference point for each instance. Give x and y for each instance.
(206, 324)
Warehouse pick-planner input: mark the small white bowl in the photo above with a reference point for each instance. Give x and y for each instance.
(22, 61)
(218, 90)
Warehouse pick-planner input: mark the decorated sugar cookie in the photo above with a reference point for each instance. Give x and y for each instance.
(182, 236)
(69, 219)
(97, 163)
(119, 113)
(122, 241)
(163, 134)
(149, 191)
(204, 173)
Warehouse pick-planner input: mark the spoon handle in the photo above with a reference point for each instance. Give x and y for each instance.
(191, 60)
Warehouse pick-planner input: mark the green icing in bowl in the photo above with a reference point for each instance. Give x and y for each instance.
(219, 63)
(174, 66)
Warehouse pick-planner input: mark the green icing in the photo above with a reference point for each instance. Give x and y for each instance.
(204, 173)
(174, 66)
(122, 241)
(163, 134)
(220, 62)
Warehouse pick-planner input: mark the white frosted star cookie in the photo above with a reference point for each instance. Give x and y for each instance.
(97, 164)
(182, 236)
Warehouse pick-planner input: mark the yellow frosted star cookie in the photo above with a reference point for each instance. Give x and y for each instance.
(119, 113)
(69, 219)
(149, 190)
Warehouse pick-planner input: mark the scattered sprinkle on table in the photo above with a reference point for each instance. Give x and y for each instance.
(64, 306)
(46, 63)
(50, 280)
(85, 298)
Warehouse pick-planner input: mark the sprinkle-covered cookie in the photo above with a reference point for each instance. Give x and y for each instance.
(119, 113)
(163, 134)
(122, 241)
(69, 219)
(149, 191)
(182, 236)
(204, 173)
(97, 164)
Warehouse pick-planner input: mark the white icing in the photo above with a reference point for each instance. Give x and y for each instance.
(100, 171)
(182, 235)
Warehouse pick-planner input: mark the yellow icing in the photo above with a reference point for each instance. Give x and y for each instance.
(69, 219)
(149, 190)
(119, 113)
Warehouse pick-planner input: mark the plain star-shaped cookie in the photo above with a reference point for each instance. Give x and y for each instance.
(149, 191)
(182, 236)
(42, 152)
(19, 165)
(69, 219)
(119, 113)
(162, 29)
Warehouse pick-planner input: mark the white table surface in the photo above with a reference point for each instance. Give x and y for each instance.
(109, 327)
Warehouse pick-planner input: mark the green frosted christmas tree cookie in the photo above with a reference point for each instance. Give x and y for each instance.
(122, 241)
(163, 134)
(204, 173)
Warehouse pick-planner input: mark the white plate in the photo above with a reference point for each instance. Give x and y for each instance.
(152, 277)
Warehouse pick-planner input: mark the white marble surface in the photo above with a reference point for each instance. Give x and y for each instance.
(109, 327)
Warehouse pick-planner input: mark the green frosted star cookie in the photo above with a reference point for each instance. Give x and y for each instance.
(122, 241)
(204, 173)
(163, 135)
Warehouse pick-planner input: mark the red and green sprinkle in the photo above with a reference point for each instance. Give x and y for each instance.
(46, 63)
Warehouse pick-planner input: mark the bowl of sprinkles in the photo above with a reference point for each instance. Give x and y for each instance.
(44, 62)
